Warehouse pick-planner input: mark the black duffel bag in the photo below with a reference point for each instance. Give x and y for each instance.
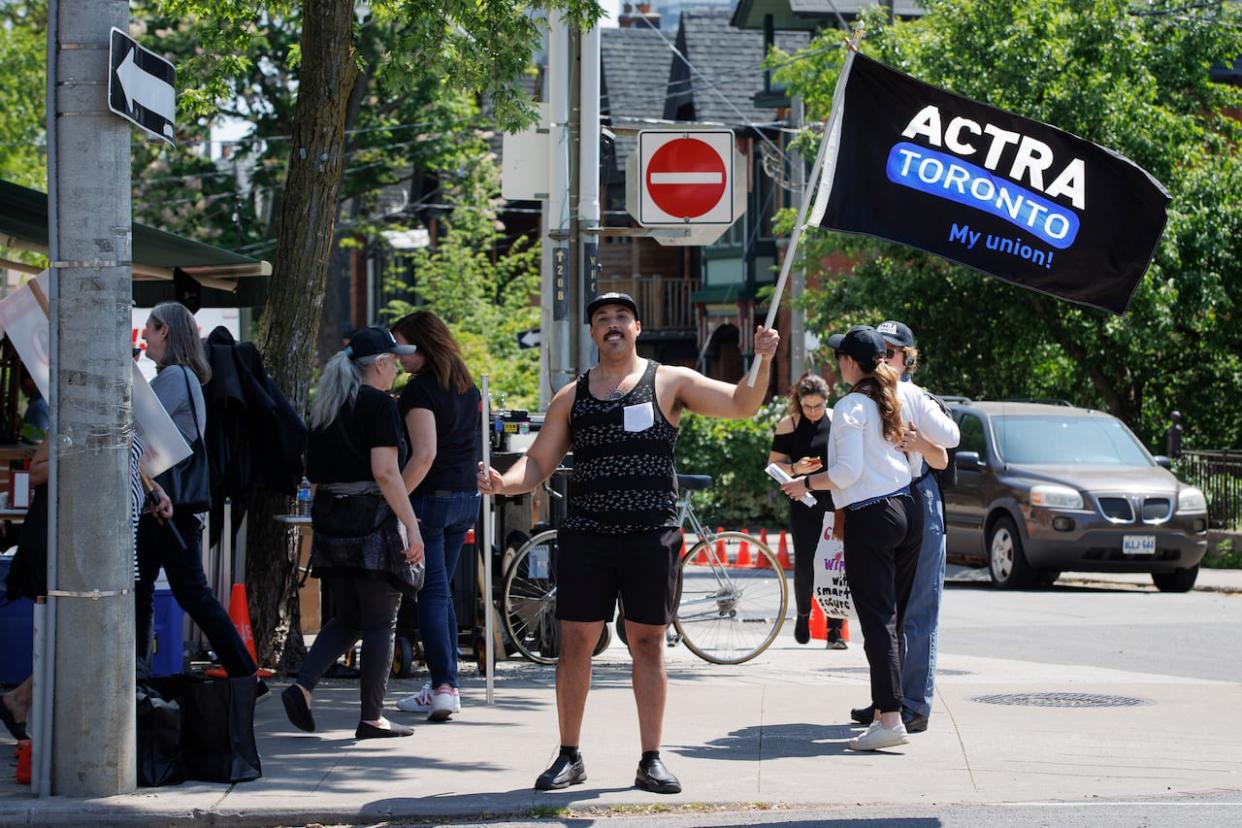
(159, 740)
(217, 726)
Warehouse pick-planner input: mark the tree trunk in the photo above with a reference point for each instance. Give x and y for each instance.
(305, 236)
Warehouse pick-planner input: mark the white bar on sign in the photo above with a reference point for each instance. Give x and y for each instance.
(687, 178)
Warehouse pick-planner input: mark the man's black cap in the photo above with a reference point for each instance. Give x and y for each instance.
(897, 333)
(367, 342)
(611, 298)
(862, 342)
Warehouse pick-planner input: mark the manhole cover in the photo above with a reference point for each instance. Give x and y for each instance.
(1061, 700)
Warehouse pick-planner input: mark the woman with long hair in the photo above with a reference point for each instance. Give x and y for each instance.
(366, 540)
(799, 446)
(440, 409)
(173, 344)
(869, 477)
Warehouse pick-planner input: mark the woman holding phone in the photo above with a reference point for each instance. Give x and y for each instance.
(799, 446)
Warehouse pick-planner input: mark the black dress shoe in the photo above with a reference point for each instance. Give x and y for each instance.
(802, 628)
(863, 715)
(563, 773)
(370, 731)
(297, 709)
(654, 777)
(914, 722)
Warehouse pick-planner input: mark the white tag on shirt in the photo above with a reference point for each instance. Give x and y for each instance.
(639, 417)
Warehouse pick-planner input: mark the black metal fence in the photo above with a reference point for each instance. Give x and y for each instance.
(1219, 475)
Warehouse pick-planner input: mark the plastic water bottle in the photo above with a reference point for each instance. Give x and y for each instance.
(304, 498)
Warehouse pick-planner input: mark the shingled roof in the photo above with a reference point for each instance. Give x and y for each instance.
(729, 72)
(635, 66)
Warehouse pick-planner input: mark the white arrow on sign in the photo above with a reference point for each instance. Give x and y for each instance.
(530, 339)
(142, 87)
(152, 93)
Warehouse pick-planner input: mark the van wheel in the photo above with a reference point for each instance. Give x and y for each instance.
(1179, 580)
(1006, 560)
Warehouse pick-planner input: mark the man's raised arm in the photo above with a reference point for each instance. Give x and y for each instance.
(720, 399)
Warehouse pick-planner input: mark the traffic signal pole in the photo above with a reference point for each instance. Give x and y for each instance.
(86, 747)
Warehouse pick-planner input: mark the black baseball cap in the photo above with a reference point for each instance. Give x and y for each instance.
(367, 342)
(862, 342)
(897, 333)
(611, 298)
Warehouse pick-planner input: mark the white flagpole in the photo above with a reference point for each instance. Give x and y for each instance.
(808, 196)
(489, 646)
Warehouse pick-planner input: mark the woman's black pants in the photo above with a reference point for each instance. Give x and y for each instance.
(881, 552)
(184, 569)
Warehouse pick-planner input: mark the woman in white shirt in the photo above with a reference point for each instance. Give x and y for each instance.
(869, 477)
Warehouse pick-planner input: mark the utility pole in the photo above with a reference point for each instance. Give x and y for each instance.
(588, 186)
(559, 293)
(90, 551)
(797, 319)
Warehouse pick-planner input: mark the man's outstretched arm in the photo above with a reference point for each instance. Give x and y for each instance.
(714, 398)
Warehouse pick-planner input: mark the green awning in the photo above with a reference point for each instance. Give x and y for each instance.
(166, 266)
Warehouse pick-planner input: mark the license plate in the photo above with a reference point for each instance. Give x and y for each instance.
(1138, 545)
(537, 563)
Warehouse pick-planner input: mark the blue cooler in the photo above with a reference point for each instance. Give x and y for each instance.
(16, 633)
(167, 642)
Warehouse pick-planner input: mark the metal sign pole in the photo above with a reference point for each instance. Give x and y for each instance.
(489, 645)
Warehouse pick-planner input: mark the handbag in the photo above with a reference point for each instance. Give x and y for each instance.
(159, 740)
(217, 729)
(188, 484)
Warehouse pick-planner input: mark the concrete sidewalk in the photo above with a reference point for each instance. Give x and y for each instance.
(1209, 580)
(769, 733)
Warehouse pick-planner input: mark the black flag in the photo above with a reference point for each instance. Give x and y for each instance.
(1020, 200)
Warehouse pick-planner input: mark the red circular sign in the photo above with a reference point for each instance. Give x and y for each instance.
(686, 178)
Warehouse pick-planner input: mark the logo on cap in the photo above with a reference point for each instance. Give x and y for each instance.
(887, 328)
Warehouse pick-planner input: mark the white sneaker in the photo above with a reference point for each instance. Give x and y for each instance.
(878, 736)
(439, 704)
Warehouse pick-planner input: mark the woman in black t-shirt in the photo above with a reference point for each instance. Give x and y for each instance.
(799, 447)
(440, 409)
(366, 539)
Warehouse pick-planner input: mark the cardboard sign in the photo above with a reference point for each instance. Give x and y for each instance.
(832, 591)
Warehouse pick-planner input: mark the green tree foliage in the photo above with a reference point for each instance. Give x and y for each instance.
(23, 50)
(479, 282)
(734, 453)
(1133, 77)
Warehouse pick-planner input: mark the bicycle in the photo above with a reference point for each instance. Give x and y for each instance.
(727, 612)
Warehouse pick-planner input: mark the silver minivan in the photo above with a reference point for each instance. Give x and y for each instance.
(1045, 488)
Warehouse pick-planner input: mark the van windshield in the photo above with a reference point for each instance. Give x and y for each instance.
(1050, 440)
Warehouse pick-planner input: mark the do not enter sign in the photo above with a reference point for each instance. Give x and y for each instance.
(685, 177)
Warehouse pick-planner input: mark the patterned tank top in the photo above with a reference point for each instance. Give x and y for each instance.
(624, 479)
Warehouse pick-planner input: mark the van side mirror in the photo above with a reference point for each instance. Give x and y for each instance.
(967, 461)
(1163, 462)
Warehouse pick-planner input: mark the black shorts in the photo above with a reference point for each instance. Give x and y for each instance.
(592, 569)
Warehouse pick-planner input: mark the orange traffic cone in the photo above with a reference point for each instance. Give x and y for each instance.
(782, 553)
(239, 614)
(845, 629)
(761, 561)
(819, 622)
(722, 556)
(701, 558)
(743, 552)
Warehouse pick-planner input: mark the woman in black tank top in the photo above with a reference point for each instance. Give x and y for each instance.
(800, 446)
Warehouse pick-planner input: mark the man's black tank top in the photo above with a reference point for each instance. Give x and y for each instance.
(624, 478)
(808, 439)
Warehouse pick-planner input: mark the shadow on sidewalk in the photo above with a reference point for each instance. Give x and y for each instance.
(794, 740)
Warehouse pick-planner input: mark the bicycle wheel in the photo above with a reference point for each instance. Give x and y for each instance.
(529, 597)
(728, 614)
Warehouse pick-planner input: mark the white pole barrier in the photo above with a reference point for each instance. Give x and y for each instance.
(489, 646)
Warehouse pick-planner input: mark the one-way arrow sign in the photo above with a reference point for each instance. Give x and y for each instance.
(142, 87)
(530, 339)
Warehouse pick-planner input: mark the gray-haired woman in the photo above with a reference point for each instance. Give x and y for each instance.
(366, 542)
(173, 344)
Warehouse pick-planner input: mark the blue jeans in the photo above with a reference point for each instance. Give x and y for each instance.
(443, 520)
(921, 630)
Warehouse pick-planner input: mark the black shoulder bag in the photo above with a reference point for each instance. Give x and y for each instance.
(188, 484)
(946, 478)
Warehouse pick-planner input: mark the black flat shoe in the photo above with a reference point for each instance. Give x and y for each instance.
(18, 729)
(914, 722)
(563, 773)
(393, 731)
(654, 777)
(863, 715)
(297, 709)
(802, 628)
